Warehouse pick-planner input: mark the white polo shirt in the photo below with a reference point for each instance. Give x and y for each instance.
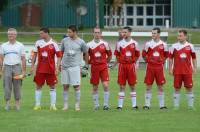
(12, 52)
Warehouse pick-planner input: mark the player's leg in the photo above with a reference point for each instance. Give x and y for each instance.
(132, 80)
(160, 81)
(106, 95)
(17, 86)
(149, 79)
(7, 84)
(122, 84)
(51, 80)
(94, 80)
(65, 82)
(39, 80)
(65, 96)
(75, 81)
(95, 97)
(52, 93)
(105, 81)
(177, 87)
(188, 83)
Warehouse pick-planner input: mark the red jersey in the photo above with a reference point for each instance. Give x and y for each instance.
(98, 52)
(127, 52)
(155, 53)
(182, 55)
(46, 52)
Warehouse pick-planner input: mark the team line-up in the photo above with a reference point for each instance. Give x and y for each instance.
(97, 53)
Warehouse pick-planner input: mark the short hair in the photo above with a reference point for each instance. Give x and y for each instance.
(45, 30)
(12, 29)
(97, 28)
(157, 29)
(183, 31)
(128, 28)
(73, 28)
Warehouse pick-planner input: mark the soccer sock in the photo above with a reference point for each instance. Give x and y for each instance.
(176, 99)
(95, 97)
(161, 98)
(148, 98)
(65, 97)
(52, 93)
(133, 99)
(77, 96)
(120, 99)
(106, 98)
(38, 94)
(190, 98)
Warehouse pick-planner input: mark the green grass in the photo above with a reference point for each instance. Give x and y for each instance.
(27, 120)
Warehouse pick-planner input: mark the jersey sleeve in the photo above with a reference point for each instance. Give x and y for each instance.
(108, 50)
(117, 50)
(35, 49)
(57, 50)
(22, 51)
(166, 51)
(171, 52)
(193, 53)
(137, 50)
(145, 50)
(84, 47)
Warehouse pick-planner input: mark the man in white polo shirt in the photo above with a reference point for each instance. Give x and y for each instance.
(12, 58)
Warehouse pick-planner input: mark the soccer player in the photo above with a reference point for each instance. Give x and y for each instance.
(45, 50)
(73, 48)
(155, 53)
(182, 64)
(13, 61)
(99, 54)
(127, 53)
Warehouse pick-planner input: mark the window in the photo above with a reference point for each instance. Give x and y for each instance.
(149, 21)
(129, 22)
(140, 11)
(167, 10)
(159, 10)
(159, 22)
(149, 11)
(129, 10)
(140, 22)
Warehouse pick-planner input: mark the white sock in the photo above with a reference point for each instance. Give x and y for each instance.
(161, 98)
(77, 96)
(95, 97)
(65, 97)
(133, 99)
(190, 98)
(106, 98)
(52, 93)
(176, 99)
(38, 94)
(148, 98)
(121, 99)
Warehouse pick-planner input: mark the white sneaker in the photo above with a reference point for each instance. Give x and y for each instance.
(77, 107)
(65, 107)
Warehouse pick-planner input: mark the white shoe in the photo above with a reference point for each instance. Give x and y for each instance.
(65, 107)
(77, 107)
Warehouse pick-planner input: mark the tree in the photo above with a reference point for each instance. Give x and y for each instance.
(3, 5)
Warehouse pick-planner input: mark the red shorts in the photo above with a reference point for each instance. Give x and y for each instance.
(154, 73)
(40, 79)
(183, 78)
(99, 72)
(127, 72)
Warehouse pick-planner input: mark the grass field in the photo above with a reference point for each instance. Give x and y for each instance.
(27, 120)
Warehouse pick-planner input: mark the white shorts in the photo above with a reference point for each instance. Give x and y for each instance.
(71, 76)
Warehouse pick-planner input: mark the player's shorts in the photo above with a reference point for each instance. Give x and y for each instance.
(41, 78)
(71, 76)
(183, 78)
(127, 72)
(156, 74)
(99, 72)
